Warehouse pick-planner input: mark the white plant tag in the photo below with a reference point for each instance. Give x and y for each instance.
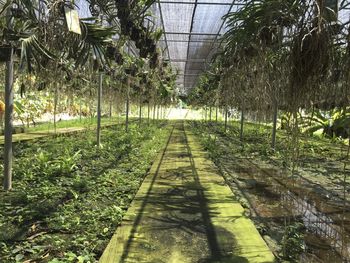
(72, 19)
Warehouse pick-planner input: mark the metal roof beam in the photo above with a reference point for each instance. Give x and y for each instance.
(191, 34)
(222, 25)
(186, 41)
(162, 20)
(199, 3)
(188, 60)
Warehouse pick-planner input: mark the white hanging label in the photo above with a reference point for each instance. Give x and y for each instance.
(72, 19)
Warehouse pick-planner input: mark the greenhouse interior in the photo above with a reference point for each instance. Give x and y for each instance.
(175, 131)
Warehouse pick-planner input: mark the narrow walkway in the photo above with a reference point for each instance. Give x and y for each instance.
(184, 212)
(27, 136)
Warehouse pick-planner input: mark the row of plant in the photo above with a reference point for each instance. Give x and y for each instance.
(47, 47)
(70, 196)
(318, 174)
(322, 161)
(283, 57)
(50, 51)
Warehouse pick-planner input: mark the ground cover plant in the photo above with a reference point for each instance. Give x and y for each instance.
(69, 196)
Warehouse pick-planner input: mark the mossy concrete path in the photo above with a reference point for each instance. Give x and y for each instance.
(184, 212)
(27, 136)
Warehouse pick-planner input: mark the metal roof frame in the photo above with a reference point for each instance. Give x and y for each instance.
(188, 37)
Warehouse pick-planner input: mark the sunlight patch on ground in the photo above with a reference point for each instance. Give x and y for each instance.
(184, 114)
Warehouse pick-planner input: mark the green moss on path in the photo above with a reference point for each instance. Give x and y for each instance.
(27, 136)
(184, 212)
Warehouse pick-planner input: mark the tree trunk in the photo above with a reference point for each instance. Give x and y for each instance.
(99, 100)
(8, 155)
(274, 127)
(216, 113)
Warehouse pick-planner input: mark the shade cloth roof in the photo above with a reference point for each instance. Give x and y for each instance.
(192, 30)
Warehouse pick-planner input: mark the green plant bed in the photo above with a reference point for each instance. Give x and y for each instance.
(264, 179)
(321, 160)
(69, 196)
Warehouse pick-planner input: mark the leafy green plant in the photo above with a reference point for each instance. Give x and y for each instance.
(74, 224)
(293, 241)
(333, 123)
(66, 164)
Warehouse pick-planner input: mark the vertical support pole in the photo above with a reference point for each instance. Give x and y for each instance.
(110, 107)
(210, 110)
(9, 79)
(8, 155)
(148, 111)
(242, 125)
(154, 110)
(226, 115)
(127, 105)
(158, 112)
(80, 110)
(140, 111)
(55, 108)
(99, 98)
(274, 126)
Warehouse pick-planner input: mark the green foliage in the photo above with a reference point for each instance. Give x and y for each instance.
(293, 241)
(69, 197)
